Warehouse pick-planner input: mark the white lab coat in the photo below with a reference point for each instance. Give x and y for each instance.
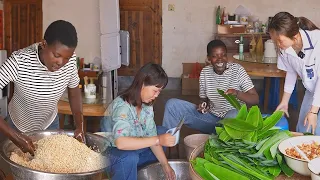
(306, 68)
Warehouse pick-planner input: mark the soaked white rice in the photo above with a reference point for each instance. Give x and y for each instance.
(60, 154)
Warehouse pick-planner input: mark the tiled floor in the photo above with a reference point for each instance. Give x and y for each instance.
(159, 110)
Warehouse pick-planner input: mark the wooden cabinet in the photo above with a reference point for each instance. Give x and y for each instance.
(229, 40)
(1, 30)
(142, 18)
(23, 23)
(23, 26)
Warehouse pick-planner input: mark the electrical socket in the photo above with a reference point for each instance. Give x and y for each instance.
(171, 7)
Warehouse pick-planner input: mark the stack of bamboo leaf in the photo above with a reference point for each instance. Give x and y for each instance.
(245, 147)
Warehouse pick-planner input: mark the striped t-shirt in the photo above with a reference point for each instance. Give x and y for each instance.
(234, 77)
(36, 89)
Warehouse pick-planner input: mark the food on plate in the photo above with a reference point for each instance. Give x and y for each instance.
(312, 150)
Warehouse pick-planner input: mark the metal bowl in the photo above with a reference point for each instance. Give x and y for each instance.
(23, 173)
(154, 171)
(298, 165)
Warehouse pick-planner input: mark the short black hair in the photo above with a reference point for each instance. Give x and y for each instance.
(215, 43)
(63, 32)
(150, 74)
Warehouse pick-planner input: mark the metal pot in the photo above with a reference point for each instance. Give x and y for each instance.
(155, 171)
(23, 173)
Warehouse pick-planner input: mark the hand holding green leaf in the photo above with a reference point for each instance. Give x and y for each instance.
(231, 99)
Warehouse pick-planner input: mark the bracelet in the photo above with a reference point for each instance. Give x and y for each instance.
(313, 112)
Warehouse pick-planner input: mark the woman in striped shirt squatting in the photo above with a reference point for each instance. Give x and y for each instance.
(40, 74)
(221, 74)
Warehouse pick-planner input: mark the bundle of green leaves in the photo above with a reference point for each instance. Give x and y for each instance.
(245, 147)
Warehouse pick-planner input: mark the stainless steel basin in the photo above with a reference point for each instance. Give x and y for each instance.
(23, 173)
(155, 172)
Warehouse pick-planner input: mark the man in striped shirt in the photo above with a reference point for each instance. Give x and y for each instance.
(40, 74)
(221, 74)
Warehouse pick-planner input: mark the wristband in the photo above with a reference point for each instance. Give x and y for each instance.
(313, 112)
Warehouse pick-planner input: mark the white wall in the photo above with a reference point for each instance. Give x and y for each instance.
(84, 15)
(188, 29)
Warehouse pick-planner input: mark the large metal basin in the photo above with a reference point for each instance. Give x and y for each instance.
(155, 172)
(23, 173)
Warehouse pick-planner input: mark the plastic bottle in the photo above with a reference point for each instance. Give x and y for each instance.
(241, 45)
(241, 56)
(259, 47)
(253, 44)
(218, 16)
(223, 15)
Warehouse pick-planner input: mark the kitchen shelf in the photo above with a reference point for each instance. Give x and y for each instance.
(232, 47)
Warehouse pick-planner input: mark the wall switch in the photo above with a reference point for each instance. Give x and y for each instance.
(171, 7)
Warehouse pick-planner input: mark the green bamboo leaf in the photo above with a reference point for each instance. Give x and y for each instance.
(243, 113)
(271, 121)
(262, 168)
(207, 157)
(240, 161)
(274, 148)
(216, 161)
(213, 142)
(219, 130)
(231, 99)
(267, 154)
(284, 167)
(259, 145)
(244, 168)
(201, 161)
(235, 134)
(250, 143)
(267, 134)
(279, 158)
(244, 151)
(223, 173)
(268, 164)
(249, 159)
(232, 168)
(254, 138)
(238, 125)
(275, 170)
(254, 117)
(265, 149)
(213, 176)
(250, 136)
(224, 136)
(203, 172)
(272, 161)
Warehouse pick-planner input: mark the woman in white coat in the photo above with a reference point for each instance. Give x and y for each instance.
(298, 40)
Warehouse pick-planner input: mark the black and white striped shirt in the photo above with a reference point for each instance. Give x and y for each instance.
(234, 77)
(36, 89)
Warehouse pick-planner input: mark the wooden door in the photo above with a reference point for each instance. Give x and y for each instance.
(23, 23)
(23, 26)
(143, 20)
